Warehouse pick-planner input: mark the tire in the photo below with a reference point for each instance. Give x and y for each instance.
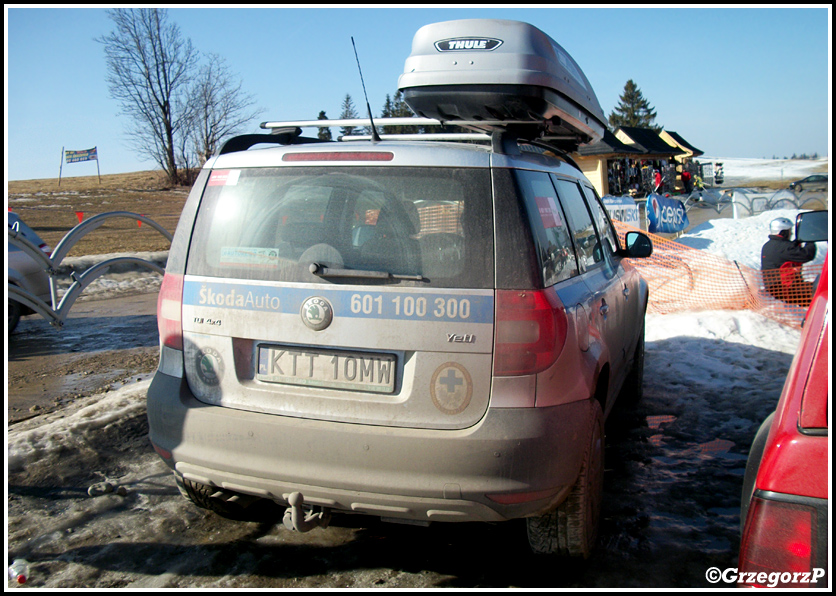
(753, 463)
(633, 389)
(15, 311)
(201, 495)
(572, 529)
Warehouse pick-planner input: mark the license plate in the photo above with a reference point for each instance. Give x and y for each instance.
(357, 371)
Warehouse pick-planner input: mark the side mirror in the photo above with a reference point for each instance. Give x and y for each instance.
(811, 226)
(639, 245)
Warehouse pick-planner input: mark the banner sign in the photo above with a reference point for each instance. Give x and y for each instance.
(624, 209)
(85, 155)
(665, 216)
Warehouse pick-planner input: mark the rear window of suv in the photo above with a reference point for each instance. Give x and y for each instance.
(271, 224)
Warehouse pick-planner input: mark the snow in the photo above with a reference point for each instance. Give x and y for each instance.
(710, 354)
(47, 440)
(121, 279)
(738, 169)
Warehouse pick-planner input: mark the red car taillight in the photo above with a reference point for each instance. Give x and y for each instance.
(169, 311)
(780, 538)
(530, 331)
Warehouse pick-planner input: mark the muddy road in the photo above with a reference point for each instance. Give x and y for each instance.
(77, 420)
(103, 345)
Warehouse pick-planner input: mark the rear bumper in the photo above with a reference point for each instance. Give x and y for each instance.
(526, 459)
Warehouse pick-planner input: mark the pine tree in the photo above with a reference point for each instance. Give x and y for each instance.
(324, 133)
(397, 108)
(634, 110)
(349, 112)
(387, 108)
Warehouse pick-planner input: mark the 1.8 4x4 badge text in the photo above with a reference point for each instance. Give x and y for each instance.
(463, 44)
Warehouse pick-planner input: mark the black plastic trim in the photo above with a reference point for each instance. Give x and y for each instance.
(244, 142)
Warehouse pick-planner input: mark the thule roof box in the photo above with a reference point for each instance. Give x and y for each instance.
(497, 70)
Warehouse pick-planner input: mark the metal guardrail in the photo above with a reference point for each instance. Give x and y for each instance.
(57, 314)
(754, 202)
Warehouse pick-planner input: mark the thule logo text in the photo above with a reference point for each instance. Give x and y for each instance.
(467, 44)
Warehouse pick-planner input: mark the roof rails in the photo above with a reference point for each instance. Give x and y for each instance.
(503, 135)
(542, 130)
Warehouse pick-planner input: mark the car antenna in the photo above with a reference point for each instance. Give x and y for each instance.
(375, 136)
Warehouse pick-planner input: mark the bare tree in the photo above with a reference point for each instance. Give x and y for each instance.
(150, 66)
(218, 107)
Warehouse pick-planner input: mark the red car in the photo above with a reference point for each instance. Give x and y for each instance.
(784, 512)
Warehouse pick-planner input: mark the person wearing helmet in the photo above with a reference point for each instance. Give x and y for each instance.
(781, 261)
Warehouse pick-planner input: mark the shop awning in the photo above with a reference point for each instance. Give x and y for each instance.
(610, 146)
(683, 143)
(649, 142)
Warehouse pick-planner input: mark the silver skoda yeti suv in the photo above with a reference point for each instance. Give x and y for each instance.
(423, 331)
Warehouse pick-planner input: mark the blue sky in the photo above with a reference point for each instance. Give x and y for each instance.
(734, 82)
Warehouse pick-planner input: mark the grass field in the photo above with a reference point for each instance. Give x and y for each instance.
(51, 209)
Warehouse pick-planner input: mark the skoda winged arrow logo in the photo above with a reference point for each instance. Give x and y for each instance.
(468, 44)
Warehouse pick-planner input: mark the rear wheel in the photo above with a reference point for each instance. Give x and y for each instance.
(222, 502)
(633, 387)
(572, 528)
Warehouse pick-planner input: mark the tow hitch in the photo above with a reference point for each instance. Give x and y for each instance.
(295, 517)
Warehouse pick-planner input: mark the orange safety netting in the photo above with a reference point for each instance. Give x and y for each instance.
(681, 278)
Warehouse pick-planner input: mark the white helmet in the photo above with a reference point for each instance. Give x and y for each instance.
(779, 225)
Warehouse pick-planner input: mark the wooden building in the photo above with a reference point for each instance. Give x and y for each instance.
(601, 161)
(624, 161)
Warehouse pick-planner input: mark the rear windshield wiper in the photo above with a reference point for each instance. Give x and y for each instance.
(322, 271)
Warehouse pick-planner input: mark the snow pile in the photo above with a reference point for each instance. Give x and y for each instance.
(121, 279)
(45, 438)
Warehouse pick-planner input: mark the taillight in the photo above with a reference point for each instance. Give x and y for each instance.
(530, 331)
(780, 539)
(163, 453)
(169, 311)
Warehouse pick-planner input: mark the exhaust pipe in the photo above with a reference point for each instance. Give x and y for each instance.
(295, 517)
